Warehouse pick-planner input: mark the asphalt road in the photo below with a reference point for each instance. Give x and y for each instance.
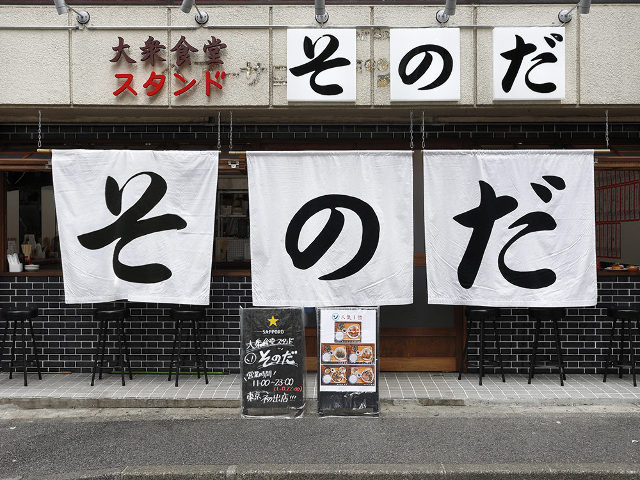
(42, 443)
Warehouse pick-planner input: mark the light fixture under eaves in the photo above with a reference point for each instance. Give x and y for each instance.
(82, 16)
(449, 10)
(201, 17)
(322, 16)
(584, 6)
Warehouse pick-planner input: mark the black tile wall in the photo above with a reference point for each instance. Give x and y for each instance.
(251, 136)
(68, 333)
(584, 334)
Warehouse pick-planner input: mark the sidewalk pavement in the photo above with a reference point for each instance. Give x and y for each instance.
(431, 427)
(406, 442)
(147, 390)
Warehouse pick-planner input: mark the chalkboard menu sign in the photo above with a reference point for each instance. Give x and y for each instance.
(272, 359)
(348, 361)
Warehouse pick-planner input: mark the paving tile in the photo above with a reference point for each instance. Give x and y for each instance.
(392, 385)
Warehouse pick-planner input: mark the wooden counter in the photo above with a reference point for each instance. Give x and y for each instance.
(618, 273)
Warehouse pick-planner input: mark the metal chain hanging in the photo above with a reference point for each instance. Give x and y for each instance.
(411, 129)
(39, 129)
(606, 130)
(219, 140)
(422, 130)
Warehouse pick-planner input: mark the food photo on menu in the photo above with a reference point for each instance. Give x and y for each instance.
(361, 375)
(332, 353)
(334, 375)
(362, 353)
(348, 331)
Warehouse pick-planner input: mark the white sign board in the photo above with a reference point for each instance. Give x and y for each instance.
(348, 350)
(331, 228)
(321, 65)
(136, 224)
(510, 228)
(425, 64)
(529, 63)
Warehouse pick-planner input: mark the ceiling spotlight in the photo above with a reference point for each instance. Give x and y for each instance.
(322, 16)
(201, 17)
(584, 6)
(82, 16)
(449, 9)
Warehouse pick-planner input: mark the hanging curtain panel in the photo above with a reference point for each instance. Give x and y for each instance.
(331, 228)
(136, 225)
(510, 228)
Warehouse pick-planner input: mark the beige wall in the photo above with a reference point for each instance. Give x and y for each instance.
(59, 68)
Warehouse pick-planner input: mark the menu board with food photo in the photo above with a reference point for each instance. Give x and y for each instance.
(347, 350)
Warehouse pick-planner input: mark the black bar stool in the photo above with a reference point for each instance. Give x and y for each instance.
(5, 334)
(627, 316)
(182, 316)
(22, 319)
(539, 315)
(482, 316)
(124, 353)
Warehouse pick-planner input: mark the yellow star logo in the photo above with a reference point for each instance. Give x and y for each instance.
(273, 321)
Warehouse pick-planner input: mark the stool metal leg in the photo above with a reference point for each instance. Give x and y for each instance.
(103, 335)
(465, 350)
(558, 351)
(534, 348)
(173, 348)
(127, 351)
(4, 339)
(621, 353)
(96, 355)
(13, 348)
(498, 346)
(481, 369)
(34, 342)
(564, 373)
(24, 351)
(204, 363)
(196, 346)
(607, 361)
(120, 357)
(179, 354)
(632, 355)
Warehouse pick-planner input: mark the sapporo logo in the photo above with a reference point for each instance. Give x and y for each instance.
(329, 234)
